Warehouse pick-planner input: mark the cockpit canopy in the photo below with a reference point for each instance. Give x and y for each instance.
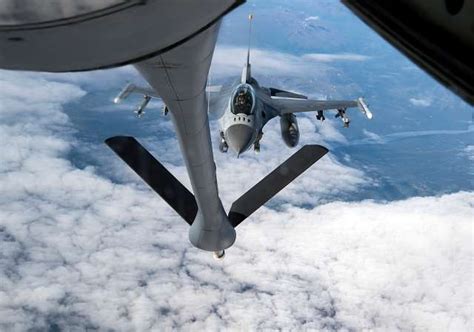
(243, 100)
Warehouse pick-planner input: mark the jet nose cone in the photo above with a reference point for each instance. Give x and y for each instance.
(239, 137)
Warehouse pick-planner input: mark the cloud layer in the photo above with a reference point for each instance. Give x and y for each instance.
(421, 102)
(325, 57)
(229, 61)
(80, 251)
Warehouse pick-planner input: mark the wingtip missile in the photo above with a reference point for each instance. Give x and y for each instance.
(364, 108)
(126, 91)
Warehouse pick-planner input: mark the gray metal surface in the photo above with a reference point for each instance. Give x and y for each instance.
(179, 76)
(241, 131)
(44, 37)
(278, 179)
(438, 35)
(22, 12)
(155, 175)
(308, 105)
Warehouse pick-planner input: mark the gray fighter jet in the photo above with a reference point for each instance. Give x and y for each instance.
(250, 106)
(171, 44)
(244, 107)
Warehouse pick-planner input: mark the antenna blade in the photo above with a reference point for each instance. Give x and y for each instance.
(250, 36)
(246, 73)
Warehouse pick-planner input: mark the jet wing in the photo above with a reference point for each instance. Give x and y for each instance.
(293, 105)
(274, 92)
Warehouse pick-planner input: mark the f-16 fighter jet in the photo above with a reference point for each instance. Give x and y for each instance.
(171, 44)
(245, 107)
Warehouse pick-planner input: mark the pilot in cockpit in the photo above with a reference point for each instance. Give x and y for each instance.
(243, 102)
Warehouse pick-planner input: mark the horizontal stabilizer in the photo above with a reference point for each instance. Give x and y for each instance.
(285, 94)
(155, 175)
(278, 179)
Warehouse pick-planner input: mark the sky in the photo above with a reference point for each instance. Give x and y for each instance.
(378, 235)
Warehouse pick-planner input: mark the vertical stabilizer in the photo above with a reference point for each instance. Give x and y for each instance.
(246, 72)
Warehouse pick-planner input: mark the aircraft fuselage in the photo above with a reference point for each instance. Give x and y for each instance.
(241, 127)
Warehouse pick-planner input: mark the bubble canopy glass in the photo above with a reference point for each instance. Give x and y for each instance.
(243, 100)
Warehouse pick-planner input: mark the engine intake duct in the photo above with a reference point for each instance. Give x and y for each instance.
(290, 132)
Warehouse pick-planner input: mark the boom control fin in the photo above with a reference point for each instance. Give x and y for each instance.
(278, 179)
(183, 201)
(155, 175)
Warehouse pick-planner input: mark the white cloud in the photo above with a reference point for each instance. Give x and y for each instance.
(421, 102)
(97, 80)
(229, 61)
(79, 251)
(373, 136)
(312, 18)
(328, 57)
(469, 152)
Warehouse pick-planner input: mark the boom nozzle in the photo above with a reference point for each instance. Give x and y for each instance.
(219, 255)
